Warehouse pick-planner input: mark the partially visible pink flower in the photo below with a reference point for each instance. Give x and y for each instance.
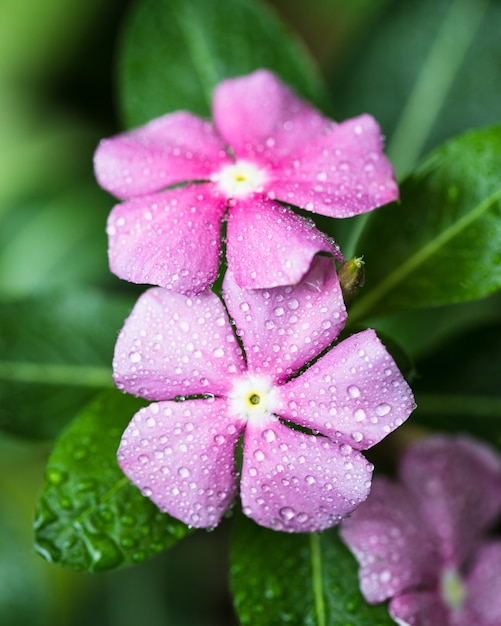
(423, 541)
(265, 145)
(183, 354)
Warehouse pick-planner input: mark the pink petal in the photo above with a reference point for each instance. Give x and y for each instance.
(181, 456)
(171, 239)
(456, 483)
(388, 540)
(285, 327)
(482, 606)
(296, 482)
(175, 148)
(269, 246)
(173, 345)
(340, 173)
(354, 394)
(422, 608)
(262, 119)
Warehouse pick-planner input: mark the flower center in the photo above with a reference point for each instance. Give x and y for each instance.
(452, 589)
(253, 397)
(240, 179)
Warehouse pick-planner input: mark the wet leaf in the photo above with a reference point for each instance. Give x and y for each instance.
(280, 578)
(89, 516)
(55, 355)
(442, 243)
(174, 52)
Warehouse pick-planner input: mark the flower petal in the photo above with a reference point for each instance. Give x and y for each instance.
(269, 246)
(339, 173)
(422, 608)
(262, 119)
(354, 394)
(174, 148)
(173, 345)
(482, 606)
(456, 483)
(285, 327)
(296, 482)
(171, 239)
(388, 541)
(181, 456)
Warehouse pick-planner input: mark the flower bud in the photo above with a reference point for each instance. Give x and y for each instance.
(351, 276)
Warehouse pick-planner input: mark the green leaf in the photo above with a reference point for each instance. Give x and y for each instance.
(457, 388)
(53, 240)
(55, 355)
(89, 515)
(442, 244)
(174, 52)
(280, 578)
(427, 71)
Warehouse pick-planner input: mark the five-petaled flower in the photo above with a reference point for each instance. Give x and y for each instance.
(423, 541)
(303, 429)
(265, 148)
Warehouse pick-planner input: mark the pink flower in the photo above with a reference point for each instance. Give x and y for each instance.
(422, 542)
(182, 453)
(266, 145)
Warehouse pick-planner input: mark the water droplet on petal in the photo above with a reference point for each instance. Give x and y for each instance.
(268, 435)
(383, 409)
(353, 391)
(184, 472)
(134, 357)
(287, 513)
(259, 455)
(359, 415)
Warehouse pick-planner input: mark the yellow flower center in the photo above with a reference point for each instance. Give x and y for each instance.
(252, 397)
(239, 179)
(452, 589)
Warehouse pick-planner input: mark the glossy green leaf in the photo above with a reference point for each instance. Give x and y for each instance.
(280, 578)
(442, 243)
(427, 71)
(89, 515)
(55, 355)
(174, 52)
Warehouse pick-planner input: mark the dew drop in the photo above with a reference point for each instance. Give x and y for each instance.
(383, 409)
(268, 435)
(353, 391)
(184, 472)
(259, 455)
(359, 415)
(287, 513)
(357, 436)
(134, 357)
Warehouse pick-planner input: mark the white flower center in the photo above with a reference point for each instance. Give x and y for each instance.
(452, 589)
(253, 398)
(240, 179)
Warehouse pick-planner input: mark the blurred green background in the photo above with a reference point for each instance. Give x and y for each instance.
(57, 99)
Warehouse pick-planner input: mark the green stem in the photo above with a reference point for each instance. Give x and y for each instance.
(434, 81)
(449, 404)
(316, 566)
(55, 374)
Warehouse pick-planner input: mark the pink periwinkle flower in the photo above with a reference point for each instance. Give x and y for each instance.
(265, 145)
(423, 541)
(182, 353)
